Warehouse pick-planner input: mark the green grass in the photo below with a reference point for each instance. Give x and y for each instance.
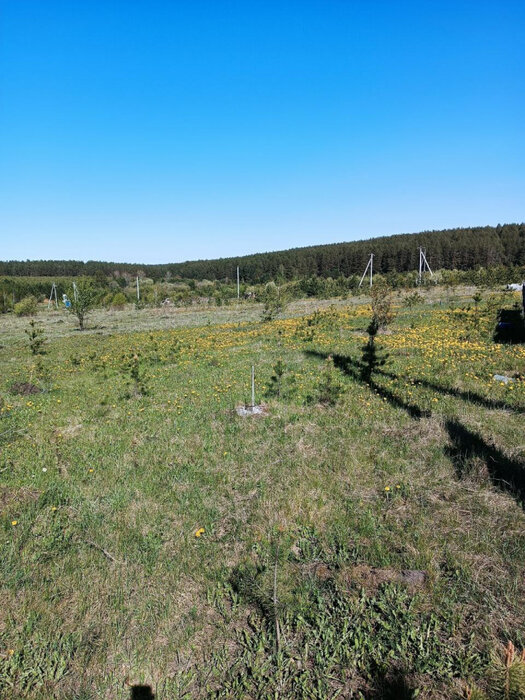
(310, 513)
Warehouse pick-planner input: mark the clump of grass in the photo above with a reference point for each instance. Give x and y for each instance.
(41, 660)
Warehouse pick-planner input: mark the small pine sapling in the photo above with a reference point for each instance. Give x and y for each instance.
(276, 380)
(382, 311)
(131, 367)
(505, 678)
(371, 360)
(330, 386)
(413, 299)
(36, 338)
(274, 302)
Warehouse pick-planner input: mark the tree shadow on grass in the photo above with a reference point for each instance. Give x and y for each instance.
(363, 372)
(505, 473)
(469, 396)
(141, 692)
(369, 365)
(465, 445)
(390, 686)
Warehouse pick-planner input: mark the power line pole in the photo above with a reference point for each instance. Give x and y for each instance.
(53, 296)
(423, 265)
(238, 284)
(369, 265)
(138, 289)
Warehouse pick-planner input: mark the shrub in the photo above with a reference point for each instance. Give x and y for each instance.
(28, 306)
(119, 300)
(320, 320)
(413, 299)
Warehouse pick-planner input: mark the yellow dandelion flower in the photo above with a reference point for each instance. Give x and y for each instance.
(14, 522)
(199, 532)
(387, 488)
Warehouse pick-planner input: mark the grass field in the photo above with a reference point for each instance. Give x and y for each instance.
(364, 538)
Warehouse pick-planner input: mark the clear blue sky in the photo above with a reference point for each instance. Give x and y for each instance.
(158, 131)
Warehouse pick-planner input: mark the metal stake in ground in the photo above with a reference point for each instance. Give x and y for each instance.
(251, 409)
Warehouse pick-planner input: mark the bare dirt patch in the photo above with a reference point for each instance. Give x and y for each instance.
(25, 388)
(10, 497)
(371, 578)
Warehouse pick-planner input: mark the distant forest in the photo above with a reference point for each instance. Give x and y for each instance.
(459, 249)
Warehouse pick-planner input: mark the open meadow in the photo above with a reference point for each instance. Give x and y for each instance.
(364, 537)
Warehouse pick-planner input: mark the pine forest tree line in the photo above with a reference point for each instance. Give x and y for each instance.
(452, 249)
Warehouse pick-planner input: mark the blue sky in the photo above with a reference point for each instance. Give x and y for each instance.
(165, 131)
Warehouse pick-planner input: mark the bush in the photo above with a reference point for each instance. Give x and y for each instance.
(26, 307)
(119, 300)
(413, 299)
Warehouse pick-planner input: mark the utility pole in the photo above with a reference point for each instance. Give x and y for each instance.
(53, 296)
(238, 284)
(423, 265)
(138, 289)
(369, 265)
